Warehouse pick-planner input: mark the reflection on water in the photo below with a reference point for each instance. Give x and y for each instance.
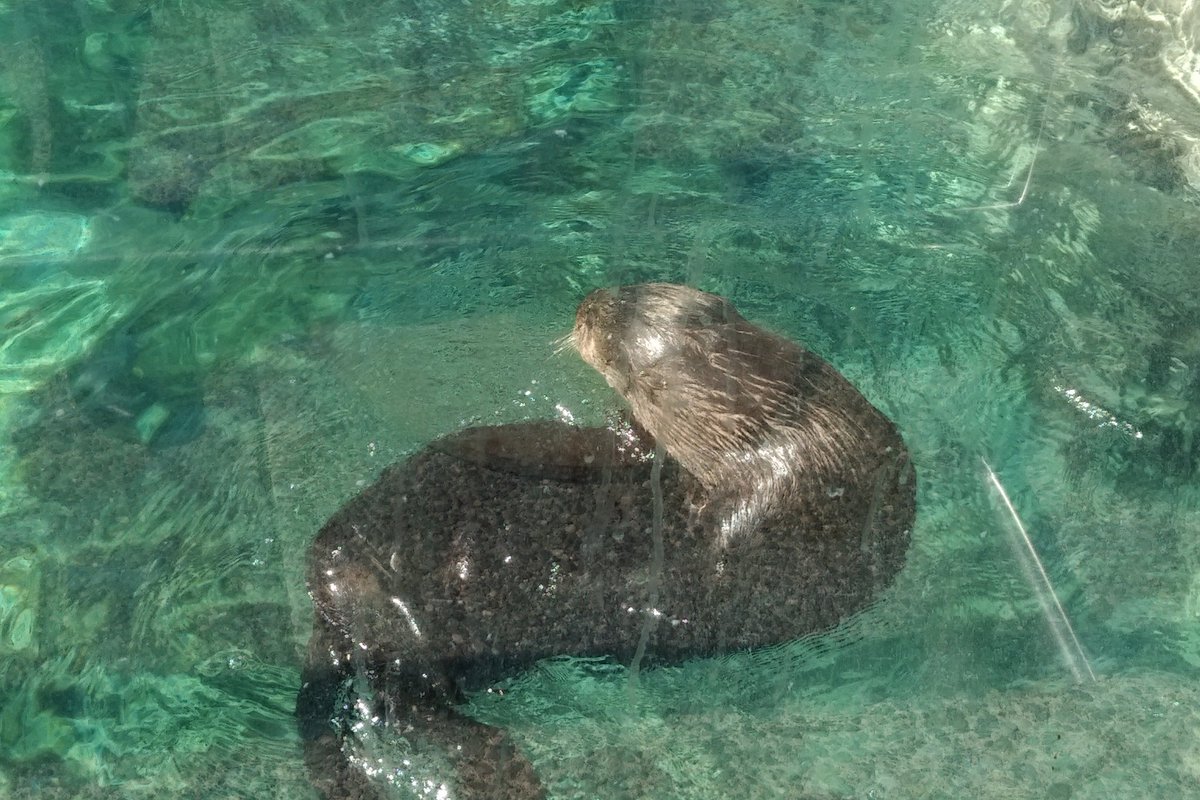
(253, 253)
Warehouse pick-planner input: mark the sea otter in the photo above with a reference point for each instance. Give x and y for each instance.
(785, 504)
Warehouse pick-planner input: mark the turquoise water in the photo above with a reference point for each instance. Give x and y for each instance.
(251, 253)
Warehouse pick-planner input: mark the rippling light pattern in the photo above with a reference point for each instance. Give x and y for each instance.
(1102, 416)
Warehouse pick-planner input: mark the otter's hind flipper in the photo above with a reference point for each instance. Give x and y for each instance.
(486, 764)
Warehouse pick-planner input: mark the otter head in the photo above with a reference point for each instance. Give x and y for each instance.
(685, 361)
(631, 333)
(754, 417)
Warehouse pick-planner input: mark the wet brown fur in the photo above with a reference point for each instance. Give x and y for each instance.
(758, 420)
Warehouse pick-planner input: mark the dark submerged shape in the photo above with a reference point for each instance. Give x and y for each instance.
(788, 502)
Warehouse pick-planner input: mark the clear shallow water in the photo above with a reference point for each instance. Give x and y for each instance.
(251, 254)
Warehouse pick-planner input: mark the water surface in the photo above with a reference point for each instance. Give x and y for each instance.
(251, 253)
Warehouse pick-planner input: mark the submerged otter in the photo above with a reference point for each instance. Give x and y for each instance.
(785, 505)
